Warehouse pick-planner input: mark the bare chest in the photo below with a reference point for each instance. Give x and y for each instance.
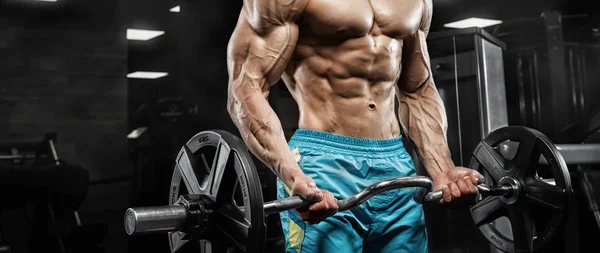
(343, 19)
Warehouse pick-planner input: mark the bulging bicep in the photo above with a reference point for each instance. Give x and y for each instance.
(416, 70)
(416, 64)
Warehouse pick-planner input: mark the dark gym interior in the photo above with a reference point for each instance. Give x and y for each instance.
(83, 139)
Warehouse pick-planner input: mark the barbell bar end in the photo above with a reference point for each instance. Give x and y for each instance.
(145, 220)
(130, 221)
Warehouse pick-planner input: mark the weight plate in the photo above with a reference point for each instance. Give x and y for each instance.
(536, 211)
(231, 181)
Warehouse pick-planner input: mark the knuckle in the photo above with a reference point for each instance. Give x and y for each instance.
(455, 193)
(446, 193)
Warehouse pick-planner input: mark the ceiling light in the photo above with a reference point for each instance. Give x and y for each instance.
(175, 9)
(137, 34)
(46, 0)
(473, 22)
(136, 133)
(146, 75)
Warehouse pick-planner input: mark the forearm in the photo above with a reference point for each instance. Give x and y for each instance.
(260, 127)
(423, 117)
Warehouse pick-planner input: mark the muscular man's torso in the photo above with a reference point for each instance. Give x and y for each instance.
(344, 69)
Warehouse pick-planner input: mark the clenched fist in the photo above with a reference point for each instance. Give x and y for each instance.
(324, 205)
(457, 184)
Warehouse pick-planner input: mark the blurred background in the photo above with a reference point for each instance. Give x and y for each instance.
(98, 96)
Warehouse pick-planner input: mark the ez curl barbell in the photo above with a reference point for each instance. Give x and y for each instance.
(220, 206)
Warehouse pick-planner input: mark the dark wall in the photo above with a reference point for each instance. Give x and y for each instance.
(63, 70)
(192, 51)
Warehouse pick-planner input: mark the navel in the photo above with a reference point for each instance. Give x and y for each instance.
(372, 106)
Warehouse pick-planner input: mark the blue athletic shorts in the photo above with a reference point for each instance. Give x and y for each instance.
(388, 222)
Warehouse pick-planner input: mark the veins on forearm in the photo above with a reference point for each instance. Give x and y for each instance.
(424, 118)
(257, 122)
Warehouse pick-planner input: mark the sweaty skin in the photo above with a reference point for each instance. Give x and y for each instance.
(346, 63)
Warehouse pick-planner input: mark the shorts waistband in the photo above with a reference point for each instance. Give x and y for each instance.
(345, 145)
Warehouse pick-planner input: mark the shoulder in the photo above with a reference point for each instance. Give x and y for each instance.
(263, 14)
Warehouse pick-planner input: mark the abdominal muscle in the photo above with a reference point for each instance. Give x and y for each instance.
(347, 88)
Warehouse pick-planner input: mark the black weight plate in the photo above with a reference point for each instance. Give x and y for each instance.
(231, 181)
(543, 202)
